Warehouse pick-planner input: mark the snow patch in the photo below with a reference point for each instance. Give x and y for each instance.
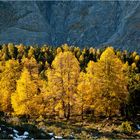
(51, 134)
(26, 133)
(15, 131)
(138, 126)
(57, 137)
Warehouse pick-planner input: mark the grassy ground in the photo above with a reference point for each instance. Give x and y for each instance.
(79, 129)
(95, 129)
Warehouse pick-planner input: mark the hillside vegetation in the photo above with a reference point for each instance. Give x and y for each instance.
(69, 84)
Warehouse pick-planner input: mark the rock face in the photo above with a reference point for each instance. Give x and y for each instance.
(81, 23)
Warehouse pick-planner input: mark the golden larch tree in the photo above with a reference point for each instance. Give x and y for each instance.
(83, 97)
(65, 75)
(26, 89)
(8, 84)
(111, 83)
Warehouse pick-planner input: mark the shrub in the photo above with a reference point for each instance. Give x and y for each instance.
(126, 127)
(14, 121)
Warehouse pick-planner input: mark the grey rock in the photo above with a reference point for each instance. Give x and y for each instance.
(80, 23)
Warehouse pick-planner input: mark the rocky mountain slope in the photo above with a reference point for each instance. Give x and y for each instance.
(82, 23)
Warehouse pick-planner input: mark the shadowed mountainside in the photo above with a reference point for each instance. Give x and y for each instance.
(79, 23)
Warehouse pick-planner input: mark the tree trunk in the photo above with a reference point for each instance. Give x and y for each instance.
(64, 109)
(68, 112)
(82, 112)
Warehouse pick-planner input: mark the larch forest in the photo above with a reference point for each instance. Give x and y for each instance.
(67, 84)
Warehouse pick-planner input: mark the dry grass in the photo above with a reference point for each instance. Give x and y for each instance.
(104, 129)
(88, 129)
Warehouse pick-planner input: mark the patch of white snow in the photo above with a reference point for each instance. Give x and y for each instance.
(23, 137)
(15, 131)
(51, 134)
(57, 137)
(15, 138)
(26, 133)
(138, 126)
